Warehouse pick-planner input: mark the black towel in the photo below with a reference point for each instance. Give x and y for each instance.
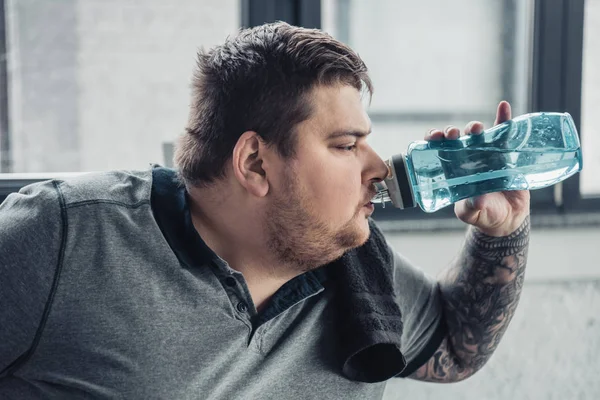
(369, 316)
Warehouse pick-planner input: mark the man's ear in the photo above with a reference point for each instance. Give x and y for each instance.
(247, 163)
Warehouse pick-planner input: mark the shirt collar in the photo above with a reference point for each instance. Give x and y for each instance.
(172, 213)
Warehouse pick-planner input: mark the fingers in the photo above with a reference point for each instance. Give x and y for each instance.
(474, 127)
(503, 113)
(451, 132)
(434, 134)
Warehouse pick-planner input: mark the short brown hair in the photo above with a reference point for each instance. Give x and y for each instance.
(259, 80)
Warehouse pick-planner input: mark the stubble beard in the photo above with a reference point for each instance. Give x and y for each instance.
(300, 239)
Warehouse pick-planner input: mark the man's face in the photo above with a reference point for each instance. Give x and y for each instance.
(321, 197)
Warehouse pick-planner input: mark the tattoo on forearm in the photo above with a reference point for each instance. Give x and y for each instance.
(480, 291)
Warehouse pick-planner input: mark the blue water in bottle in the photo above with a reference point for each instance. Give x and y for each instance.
(531, 151)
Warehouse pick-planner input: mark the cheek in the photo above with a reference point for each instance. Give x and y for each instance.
(335, 188)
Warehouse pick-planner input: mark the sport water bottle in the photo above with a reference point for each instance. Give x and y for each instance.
(530, 152)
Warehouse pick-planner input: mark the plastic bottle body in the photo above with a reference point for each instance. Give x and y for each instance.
(530, 152)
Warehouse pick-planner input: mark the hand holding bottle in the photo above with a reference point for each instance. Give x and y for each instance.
(487, 173)
(498, 213)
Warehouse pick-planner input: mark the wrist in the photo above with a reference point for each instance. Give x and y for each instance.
(508, 228)
(519, 234)
(508, 252)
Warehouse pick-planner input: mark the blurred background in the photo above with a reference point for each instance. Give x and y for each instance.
(89, 85)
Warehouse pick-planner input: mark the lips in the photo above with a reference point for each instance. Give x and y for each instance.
(370, 198)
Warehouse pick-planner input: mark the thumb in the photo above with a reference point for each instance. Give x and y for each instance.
(468, 210)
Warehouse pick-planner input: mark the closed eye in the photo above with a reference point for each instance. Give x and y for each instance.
(347, 148)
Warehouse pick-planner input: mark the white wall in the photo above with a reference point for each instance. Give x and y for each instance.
(555, 254)
(550, 350)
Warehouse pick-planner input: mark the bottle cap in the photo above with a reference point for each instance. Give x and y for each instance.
(398, 183)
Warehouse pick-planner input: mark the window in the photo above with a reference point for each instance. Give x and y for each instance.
(432, 62)
(85, 82)
(95, 85)
(590, 102)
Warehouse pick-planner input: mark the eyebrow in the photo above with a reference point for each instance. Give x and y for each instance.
(341, 133)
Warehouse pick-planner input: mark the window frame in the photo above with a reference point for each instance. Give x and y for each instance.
(5, 161)
(306, 13)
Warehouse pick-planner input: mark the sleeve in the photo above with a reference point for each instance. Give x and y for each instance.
(31, 227)
(421, 306)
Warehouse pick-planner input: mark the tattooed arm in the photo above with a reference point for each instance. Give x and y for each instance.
(481, 289)
(480, 292)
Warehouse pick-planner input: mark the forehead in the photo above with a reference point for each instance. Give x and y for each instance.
(336, 108)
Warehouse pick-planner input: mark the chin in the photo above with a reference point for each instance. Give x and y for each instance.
(366, 234)
(362, 232)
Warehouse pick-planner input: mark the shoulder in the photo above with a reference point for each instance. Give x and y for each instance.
(129, 188)
(42, 204)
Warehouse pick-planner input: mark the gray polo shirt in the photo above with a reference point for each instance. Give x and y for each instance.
(107, 291)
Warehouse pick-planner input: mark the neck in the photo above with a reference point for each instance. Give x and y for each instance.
(239, 238)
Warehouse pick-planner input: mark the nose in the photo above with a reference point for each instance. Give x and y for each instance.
(376, 170)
